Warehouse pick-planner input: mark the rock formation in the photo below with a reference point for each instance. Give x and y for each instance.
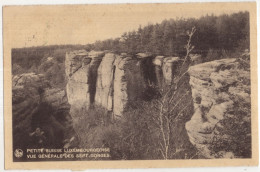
(113, 81)
(216, 87)
(119, 81)
(147, 68)
(105, 82)
(158, 62)
(128, 83)
(169, 68)
(81, 70)
(31, 92)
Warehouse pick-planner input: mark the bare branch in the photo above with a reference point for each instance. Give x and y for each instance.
(166, 102)
(179, 101)
(188, 47)
(176, 117)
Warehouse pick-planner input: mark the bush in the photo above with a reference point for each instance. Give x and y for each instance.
(95, 131)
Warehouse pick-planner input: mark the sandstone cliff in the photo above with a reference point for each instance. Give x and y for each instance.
(221, 96)
(113, 81)
(128, 83)
(219, 88)
(105, 81)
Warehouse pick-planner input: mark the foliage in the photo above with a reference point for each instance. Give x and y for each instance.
(94, 131)
(136, 135)
(225, 32)
(215, 37)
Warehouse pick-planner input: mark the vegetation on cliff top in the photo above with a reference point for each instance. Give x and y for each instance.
(216, 37)
(225, 32)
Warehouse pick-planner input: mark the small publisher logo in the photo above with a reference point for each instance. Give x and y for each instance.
(18, 153)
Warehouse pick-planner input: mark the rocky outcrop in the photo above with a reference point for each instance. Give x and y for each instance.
(74, 60)
(128, 83)
(31, 92)
(114, 81)
(105, 82)
(119, 82)
(165, 69)
(169, 68)
(158, 62)
(147, 69)
(81, 70)
(217, 87)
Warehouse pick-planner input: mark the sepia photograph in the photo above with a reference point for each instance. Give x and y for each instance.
(130, 82)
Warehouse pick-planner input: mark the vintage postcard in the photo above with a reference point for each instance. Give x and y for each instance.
(130, 85)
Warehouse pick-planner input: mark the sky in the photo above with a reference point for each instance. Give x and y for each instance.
(26, 26)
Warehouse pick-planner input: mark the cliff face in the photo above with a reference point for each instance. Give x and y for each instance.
(105, 80)
(81, 69)
(119, 81)
(129, 83)
(220, 90)
(112, 81)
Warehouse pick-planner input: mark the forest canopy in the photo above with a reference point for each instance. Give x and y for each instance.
(214, 35)
(225, 32)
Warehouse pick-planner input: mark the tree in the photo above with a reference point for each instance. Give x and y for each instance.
(156, 40)
(171, 105)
